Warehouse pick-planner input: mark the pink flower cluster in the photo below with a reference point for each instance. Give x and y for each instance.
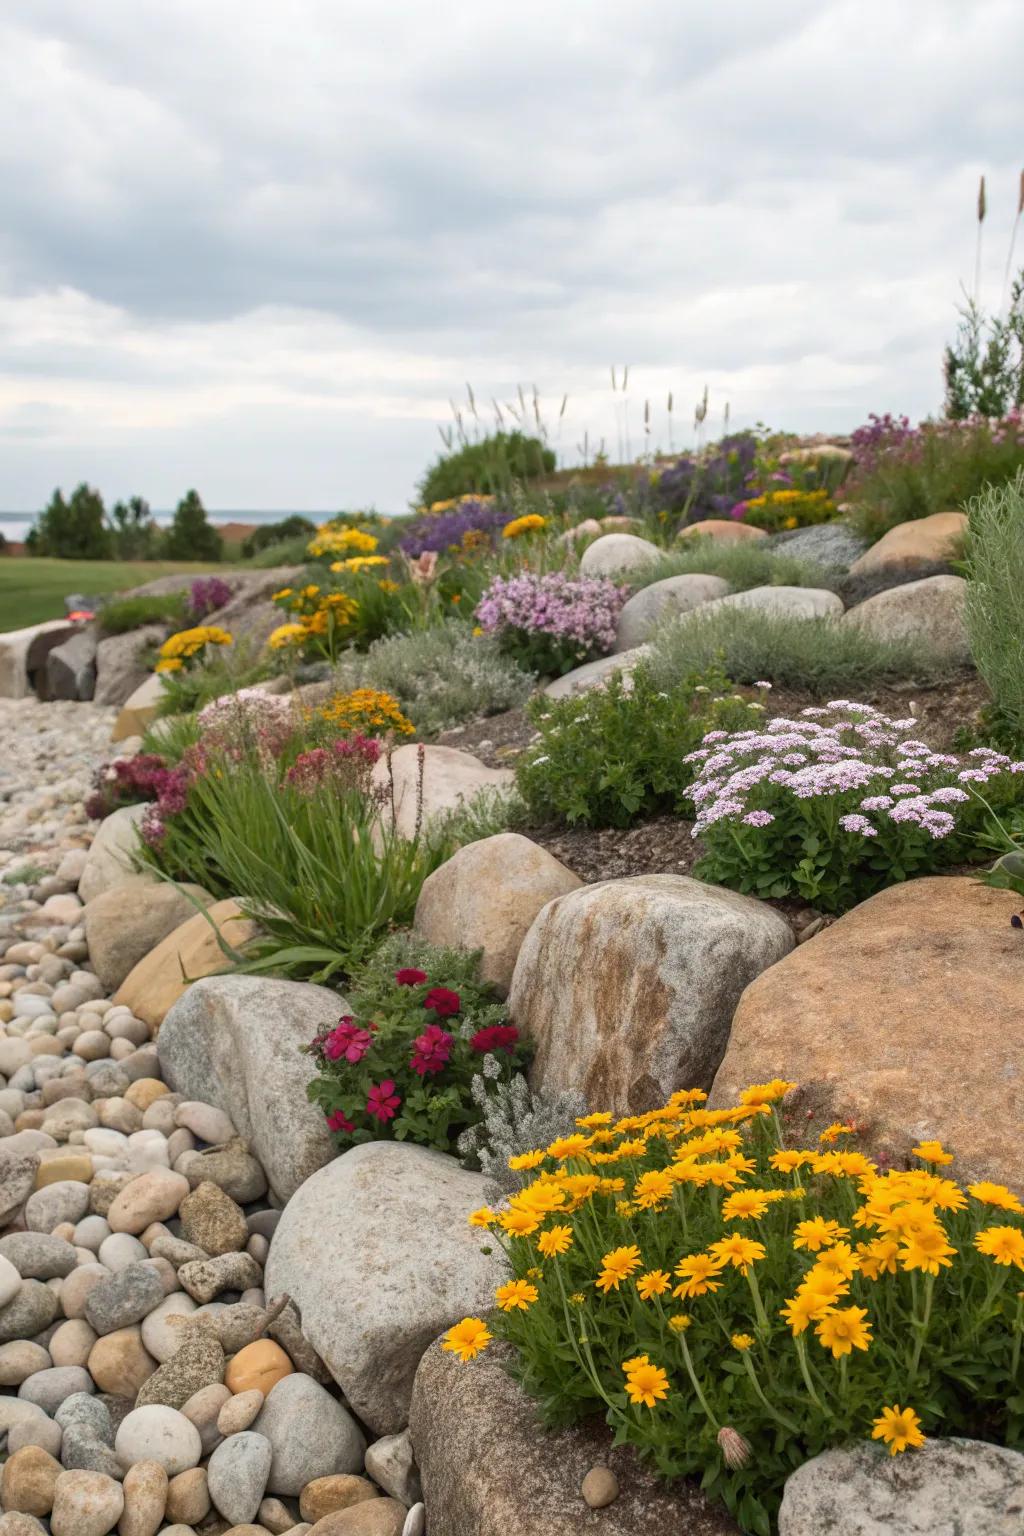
(581, 609)
(238, 721)
(347, 1041)
(842, 749)
(345, 764)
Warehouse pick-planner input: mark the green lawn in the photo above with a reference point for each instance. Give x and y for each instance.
(34, 590)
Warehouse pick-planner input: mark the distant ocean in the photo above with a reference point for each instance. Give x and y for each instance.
(15, 525)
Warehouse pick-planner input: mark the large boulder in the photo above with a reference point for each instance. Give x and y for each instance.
(189, 952)
(724, 530)
(23, 654)
(125, 922)
(789, 602)
(662, 600)
(487, 895)
(613, 554)
(487, 1468)
(944, 1488)
(923, 538)
(234, 1041)
(376, 1253)
(71, 666)
(122, 663)
(593, 673)
(250, 616)
(111, 852)
(450, 778)
(139, 709)
(627, 988)
(930, 612)
(905, 1017)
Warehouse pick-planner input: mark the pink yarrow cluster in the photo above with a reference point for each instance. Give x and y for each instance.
(583, 609)
(249, 717)
(842, 749)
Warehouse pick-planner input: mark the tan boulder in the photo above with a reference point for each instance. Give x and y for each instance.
(373, 1517)
(905, 1017)
(724, 530)
(627, 988)
(153, 986)
(450, 778)
(930, 612)
(486, 897)
(125, 922)
(324, 1495)
(923, 538)
(139, 710)
(111, 854)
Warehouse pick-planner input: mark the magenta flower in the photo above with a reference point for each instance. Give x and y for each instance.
(348, 1041)
(339, 1122)
(409, 976)
(442, 1001)
(431, 1050)
(382, 1102)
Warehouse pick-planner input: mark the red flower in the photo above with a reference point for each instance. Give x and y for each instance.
(496, 1037)
(339, 1122)
(431, 1050)
(348, 1041)
(410, 977)
(383, 1101)
(442, 1001)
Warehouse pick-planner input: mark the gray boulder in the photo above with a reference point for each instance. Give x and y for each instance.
(121, 664)
(393, 1219)
(930, 612)
(944, 1488)
(233, 1041)
(71, 666)
(23, 654)
(109, 860)
(614, 554)
(592, 674)
(663, 600)
(627, 988)
(790, 602)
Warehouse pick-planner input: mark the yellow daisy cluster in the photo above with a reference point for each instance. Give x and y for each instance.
(338, 542)
(456, 501)
(531, 522)
(815, 1256)
(321, 619)
(358, 563)
(182, 649)
(790, 509)
(365, 709)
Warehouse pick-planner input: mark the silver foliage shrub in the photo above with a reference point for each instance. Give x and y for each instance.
(515, 1121)
(441, 676)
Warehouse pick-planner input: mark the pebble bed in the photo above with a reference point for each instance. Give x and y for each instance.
(147, 1383)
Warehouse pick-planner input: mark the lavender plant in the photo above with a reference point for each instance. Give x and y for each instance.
(552, 623)
(839, 803)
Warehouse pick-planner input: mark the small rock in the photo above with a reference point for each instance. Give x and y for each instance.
(67, 1200)
(207, 1122)
(79, 1285)
(119, 1250)
(213, 1221)
(145, 1499)
(278, 1518)
(376, 1517)
(11, 1277)
(188, 1497)
(600, 1487)
(20, 1359)
(233, 1167)
(31, 1310)
(85, 1504)
(391, 1464)
(124, 1298)
(198, 1363)
(324, 1495)
(41, 1432)
(28, 1482)
(203, 1410)
(72, 1343)
(239, 1411)
(152, 1197)
(33, 1256)
(260, 1365)
(206, 1279)
(238, 1473)
(120, 1363)
(49, 1388)
(416, 1521)
(20, 1525)
(158, 1433)
(311, 1433)
(159, 1337)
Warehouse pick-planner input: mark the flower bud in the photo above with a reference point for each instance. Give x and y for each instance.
(735, 1450)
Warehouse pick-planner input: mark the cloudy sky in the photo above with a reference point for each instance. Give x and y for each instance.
(256, 247)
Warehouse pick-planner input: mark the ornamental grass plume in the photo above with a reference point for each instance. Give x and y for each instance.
(828, 1299)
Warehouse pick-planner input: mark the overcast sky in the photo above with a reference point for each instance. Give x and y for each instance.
(255, 247)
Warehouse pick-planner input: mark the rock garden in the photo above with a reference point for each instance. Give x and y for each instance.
(512, 1023)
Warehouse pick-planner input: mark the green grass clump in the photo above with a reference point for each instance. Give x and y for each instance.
(742, 565)
(33, 590)
(995, 599)
(286, 552)
(127, 613)
(822, 657)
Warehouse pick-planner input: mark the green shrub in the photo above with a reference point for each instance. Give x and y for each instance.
(402, 1063)
(268, 535)
(122, 614)
(984, 368)
(489, 466)
(731, 1336)
(613, 755)
(742, 565)
(441, 676)
(822, 657)
(995, 599)
(287, 552)
(190, 536)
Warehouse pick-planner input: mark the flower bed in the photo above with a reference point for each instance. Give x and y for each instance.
(552, 623)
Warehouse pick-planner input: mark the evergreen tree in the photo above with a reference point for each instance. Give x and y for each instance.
(190, 536)
(72, 530)
(134, 530)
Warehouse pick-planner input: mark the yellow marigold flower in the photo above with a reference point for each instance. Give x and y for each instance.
(526, 1160)
(169, 664)
(286, 634)
(467, 1338)
(616, 1266)
(738, 1250)
(540, 1199)
(591, 1122)
(687, 1096)
(360, 563)
(844, 1330)
(484, 1217)
(802, 1309)
(441, 506)
(997, 1195)
(388, 586)
(932, 1152)
(742, 1342)
(654, 1283)
(1003, 1244)
(700, 1273)
(564, 1147)
(840, 1259)
(824, 1286)
(788, 1162)
(926, 1250)
(279, 596)
(519, 1223)
(365, 709)
(878, 1258)
(631, 1365)
(652, 1189)
(517, 1294)
(898, 1427)
(340, 541)
(680, 1321)
(554, 1241)
(745, 1204)
(532, 522)
(624, 1208)
(835, 1130)
(635, 1148)
(766, 1093)
(646, 1384)
(817, 1233)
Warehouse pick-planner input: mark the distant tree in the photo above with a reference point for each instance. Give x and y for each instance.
(134, 530)
(984, 367)
(275, 533)
(190, 536)
(72, 530)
